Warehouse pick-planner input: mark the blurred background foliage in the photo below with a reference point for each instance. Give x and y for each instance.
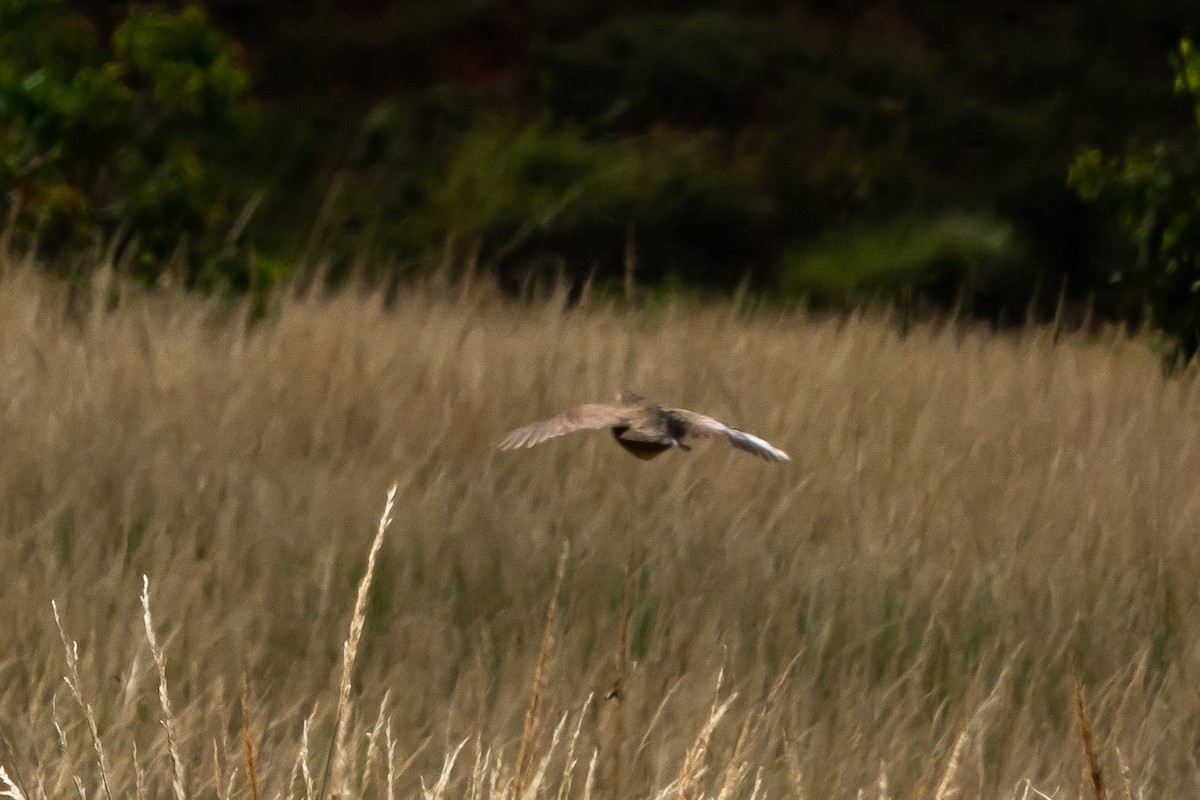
(1155, 193)
(139, 131)
(826, 150)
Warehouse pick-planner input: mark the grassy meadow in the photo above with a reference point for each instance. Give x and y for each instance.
(972, 523)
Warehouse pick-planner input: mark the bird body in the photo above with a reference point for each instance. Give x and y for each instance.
(644, 428)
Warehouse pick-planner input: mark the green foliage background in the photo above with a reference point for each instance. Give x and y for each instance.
(830, 150)
(1155, 192)
(138, 132)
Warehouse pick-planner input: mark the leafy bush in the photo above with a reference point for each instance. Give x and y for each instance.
(973, 252)
(125, 135)
(635, 70)
(543, 195)
(1156, 195)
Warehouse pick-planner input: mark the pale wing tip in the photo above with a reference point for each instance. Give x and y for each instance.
(759, 447)
(774, 454)
(514, 440)
(527, 436)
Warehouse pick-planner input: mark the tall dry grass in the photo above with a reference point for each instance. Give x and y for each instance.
(971, 521)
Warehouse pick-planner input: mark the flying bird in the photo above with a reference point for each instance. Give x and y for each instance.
(644, 428)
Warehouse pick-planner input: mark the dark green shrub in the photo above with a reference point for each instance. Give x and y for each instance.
(696, 69)
(950, 254)
(136, 134)
(1155, 194)
(543, 196)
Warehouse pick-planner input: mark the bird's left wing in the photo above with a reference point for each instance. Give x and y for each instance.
(588, 416)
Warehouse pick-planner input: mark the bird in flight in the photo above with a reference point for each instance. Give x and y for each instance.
(644, 428)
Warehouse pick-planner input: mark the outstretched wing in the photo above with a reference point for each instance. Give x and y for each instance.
(701, 426)
(589, 416)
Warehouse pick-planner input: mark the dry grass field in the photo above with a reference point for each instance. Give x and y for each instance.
(971, 523)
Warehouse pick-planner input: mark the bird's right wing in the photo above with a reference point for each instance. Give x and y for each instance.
(589, 416)
(701, 425)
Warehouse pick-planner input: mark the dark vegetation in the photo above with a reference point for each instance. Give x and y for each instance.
(1156, 193)
(830, 150)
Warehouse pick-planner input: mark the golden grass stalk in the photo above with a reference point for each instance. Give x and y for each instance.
(300, 767)
(396, 772)
(618, 690)
(497, 787)
(71, 650)
(654, 720)
(373, 744)
(947, 788)
(564, 787)
(247, 742)
(1089, 749)
(529, 730)
(178, 780)
(535, 783)
(218, 772)
(735, 773)
(737, 768)
(229, 781)
(139, 776)
(438, 792)
(9, 788)
(335, 763)
(391, 762)
(1029, 787)
(687, 786)
(65, 770)
(752, 730)
(1136, 680)
(304, 768)
(1126, 776)
(758, 782)
(476, 788)
(795, 771)
(590, 782)
(133, 683)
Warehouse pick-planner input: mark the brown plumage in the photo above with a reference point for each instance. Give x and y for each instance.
(644, 428)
